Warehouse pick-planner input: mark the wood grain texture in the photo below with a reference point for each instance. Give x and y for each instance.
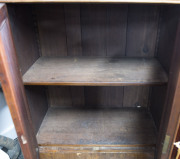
(14, 90)
(22, 25)
(170, 15)
(60, 96)
(52, 29)
(136, 96)
(38, 104)
(157, 100)
(103, 97)
(94, 29)
(116, 29)
(84, 71)
(171, 112)
(142, 30)
(93, 1)
(73, 29)
(85, 152)
(96, 127)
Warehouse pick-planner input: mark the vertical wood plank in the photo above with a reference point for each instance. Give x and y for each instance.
(52, 29)
(142, 30)
(116, 34)
(14, 90)
(136, 96)
(22, 25)
(77, 94)
(59, 96)
(94, 29)
(105, 97)
(168, 26)
(171, 112)
(73, 29)
(38, 105)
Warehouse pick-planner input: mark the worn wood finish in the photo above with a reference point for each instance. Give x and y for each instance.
(142, 30)
(95, 71)
(96, 152)
(93, 1)
(22, 24)
(156, 100)
(116, 30)
(168, 27)
(73, 29)
(13, 89)
(94, 29)
(136, 96)
(96, 127)
(172, 110)
(38, 104)
(52, 29)
(103, 97)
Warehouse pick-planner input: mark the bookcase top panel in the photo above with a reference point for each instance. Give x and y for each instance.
(93, 1)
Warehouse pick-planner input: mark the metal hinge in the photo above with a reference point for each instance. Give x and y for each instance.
(166, 144)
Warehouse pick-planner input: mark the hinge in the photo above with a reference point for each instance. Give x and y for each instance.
(166, 144)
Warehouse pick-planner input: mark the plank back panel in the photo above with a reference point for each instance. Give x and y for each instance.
(73, 29)
(99, 30)
(22, 25)
(116, 30)
(94, 29)
(38, 104)
(52, 29)
(142, 30)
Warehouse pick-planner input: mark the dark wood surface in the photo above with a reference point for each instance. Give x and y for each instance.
(38, 104)
(96, 152)
(142, 30)
(131, 126)
(97, 29)
(136, 96)
(14, 90)
(24, 35)
(95, 71)
(171, 112)
(52, 29)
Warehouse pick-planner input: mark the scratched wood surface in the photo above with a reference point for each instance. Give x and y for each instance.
(97, 127)
(95, 71)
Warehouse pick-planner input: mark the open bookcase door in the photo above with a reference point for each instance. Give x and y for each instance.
(170, 118)
(14, 90)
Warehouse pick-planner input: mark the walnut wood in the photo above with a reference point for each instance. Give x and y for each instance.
(96, 152)
(14, 90)
(93, 1)
(97, 127)
(38, 104)
(142, 25)
(172, 110)
(24, 35)
(95, 71)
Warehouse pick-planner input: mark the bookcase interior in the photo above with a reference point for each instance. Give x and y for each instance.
(95, 75)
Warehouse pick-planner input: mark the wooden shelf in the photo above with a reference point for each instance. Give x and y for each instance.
(123, 127)
(84, 71)
(93, 1)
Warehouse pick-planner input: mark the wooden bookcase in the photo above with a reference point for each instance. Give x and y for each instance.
(92, 79)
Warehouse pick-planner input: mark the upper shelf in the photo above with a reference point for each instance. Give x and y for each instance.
(91, 71)
(93, 1)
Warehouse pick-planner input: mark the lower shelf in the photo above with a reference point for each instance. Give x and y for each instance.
(97, 132)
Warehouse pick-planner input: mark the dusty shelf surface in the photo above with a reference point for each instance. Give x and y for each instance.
(100, 127)
(85, 71)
